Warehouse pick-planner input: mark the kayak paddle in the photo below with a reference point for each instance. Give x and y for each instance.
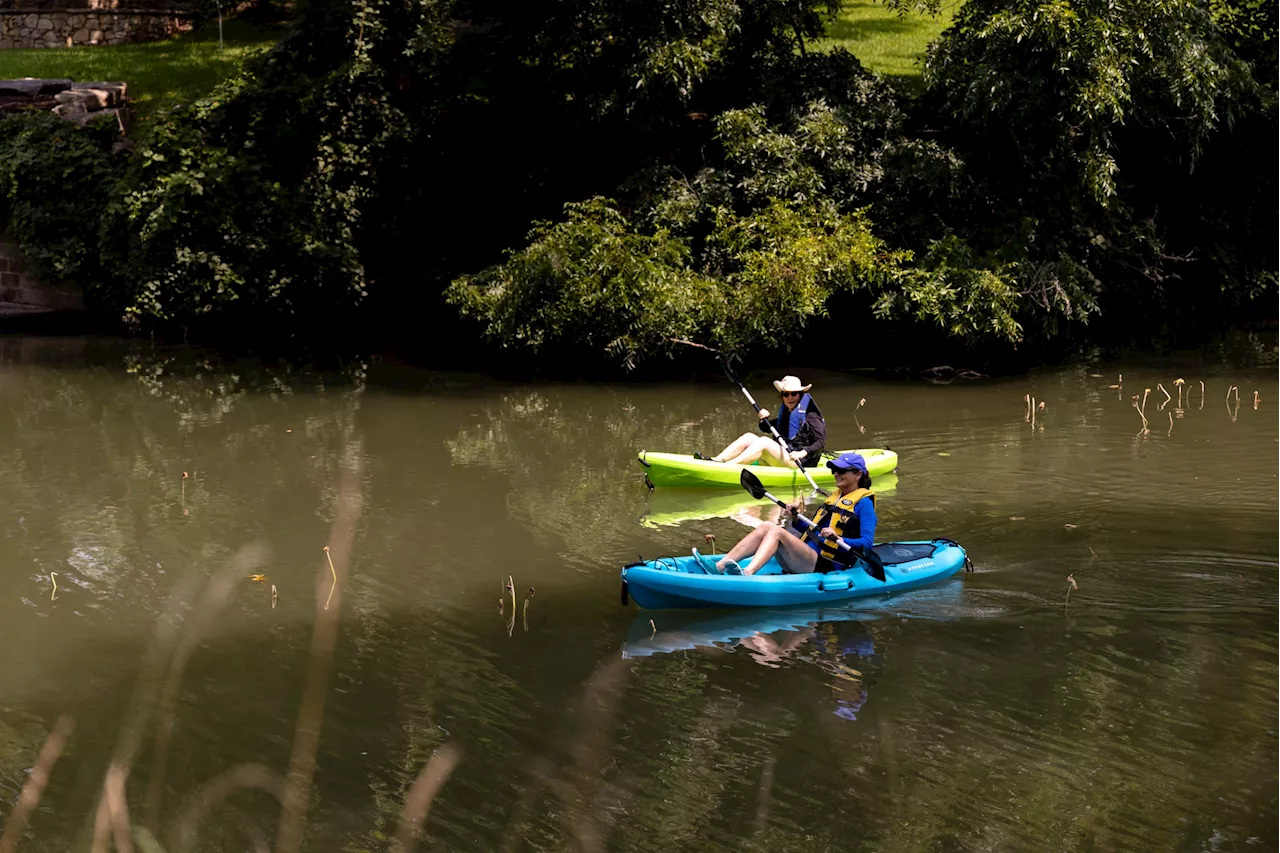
(755, 407)
(872, 563)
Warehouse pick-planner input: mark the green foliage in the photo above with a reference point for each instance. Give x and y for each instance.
(590, 281)
(247, 206)
(56, 178)
(1250, 27)
(1054, 82)
(689, 267)
(1091, 130)
(220, 229)
(1068, 160)
(954, 289)
(755, 247)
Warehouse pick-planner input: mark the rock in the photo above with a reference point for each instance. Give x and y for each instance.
(93, 99)
(53, 87)
(75, 108)
(46, 24)
(114, 92)
(77, 96)
(31, 87)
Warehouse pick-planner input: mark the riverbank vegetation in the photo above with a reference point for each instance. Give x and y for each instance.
(604, 180)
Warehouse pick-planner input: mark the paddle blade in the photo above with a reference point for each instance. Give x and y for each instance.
(873, 565)
(752, 484)
(728, 371)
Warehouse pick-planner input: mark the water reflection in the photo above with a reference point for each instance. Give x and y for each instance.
(986, 713)
(838, 642)
(673, 507)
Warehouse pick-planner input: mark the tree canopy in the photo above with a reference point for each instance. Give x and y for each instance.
(592, 177)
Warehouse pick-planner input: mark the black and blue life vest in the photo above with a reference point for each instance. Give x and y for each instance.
(795, 417)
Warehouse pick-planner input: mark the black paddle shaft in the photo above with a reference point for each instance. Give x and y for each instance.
(755, 407)
(874, 565)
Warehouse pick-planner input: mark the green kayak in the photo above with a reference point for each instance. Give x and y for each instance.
(671, 507)
(681, 469)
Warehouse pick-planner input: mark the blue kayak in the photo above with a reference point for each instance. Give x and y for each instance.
(680, 582)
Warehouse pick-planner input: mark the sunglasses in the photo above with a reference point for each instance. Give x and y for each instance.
(791, 393)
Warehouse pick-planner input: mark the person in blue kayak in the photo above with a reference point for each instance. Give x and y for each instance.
(799, 422)
(849, 514)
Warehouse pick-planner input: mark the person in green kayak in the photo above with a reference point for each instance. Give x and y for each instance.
(799, 422)
(849, 514)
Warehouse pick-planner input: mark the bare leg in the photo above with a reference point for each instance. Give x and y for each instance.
(794, 555)
(779, 454)
(761, 446)
(748, 544)
(736, 447)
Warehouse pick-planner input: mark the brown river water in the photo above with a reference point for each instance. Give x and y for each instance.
(168, 612)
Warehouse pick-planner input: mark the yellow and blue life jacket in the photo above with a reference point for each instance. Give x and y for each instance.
(837, 513)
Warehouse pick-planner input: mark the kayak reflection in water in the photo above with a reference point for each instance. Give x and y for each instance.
(849, 514)
(800, 424)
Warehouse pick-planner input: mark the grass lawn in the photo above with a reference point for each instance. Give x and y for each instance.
(159, 72)
(885, 43)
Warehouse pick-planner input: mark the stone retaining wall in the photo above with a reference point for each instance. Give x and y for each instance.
(19, 293)
(21, 28)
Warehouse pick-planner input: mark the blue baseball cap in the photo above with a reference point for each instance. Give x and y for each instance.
(846, 461)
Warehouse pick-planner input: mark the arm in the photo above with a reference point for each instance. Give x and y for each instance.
(865, 512)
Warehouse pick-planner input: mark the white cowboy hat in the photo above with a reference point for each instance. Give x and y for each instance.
(791, 383)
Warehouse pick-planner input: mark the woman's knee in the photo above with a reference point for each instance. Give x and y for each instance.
(765, 445)
(774, 532)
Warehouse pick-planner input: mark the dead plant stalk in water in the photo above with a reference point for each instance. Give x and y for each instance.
(332, 571)
(1137, 409)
